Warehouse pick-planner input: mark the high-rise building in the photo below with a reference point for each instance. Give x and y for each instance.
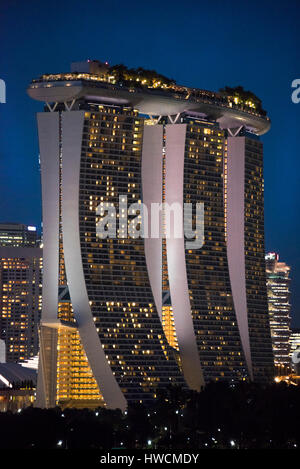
(278, 287)
(17, 235)
(145, 311)
(20, 291)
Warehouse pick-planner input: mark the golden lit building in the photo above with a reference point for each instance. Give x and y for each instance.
(20, 301)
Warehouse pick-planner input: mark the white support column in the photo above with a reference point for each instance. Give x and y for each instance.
(175, 150)
(235, 238)
(152, 193)
(154, 120)
(48, 131)
(69, 106)
(235, 133)
(51, 109)
(173, 121)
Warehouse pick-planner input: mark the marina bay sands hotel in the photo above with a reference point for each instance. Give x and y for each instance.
(123, 317)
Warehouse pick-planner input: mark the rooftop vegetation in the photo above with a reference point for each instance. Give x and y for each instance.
(148, 78)
(243, 97)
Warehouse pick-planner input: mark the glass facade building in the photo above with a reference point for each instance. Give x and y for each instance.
(20, 290)
(20, 302)
(278, 285)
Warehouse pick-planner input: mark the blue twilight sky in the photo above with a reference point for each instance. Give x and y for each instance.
(206, 44)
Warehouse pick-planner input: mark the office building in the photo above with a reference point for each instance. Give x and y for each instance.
(17, 235)
(278, 287)
(20, 291)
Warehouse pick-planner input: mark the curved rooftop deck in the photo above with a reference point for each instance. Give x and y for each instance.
(168, 99)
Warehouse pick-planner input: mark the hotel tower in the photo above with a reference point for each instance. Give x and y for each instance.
(124, 316)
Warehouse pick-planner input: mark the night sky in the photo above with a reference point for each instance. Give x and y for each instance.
(205, 44)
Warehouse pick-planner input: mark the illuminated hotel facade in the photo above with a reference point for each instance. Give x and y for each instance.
(278, 287)
(143, 313)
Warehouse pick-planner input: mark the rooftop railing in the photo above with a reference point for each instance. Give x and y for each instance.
(173, 90)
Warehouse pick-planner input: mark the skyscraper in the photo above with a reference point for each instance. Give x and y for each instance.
(20, 290)
(150, 310)
(278, 286)
(17, 235)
